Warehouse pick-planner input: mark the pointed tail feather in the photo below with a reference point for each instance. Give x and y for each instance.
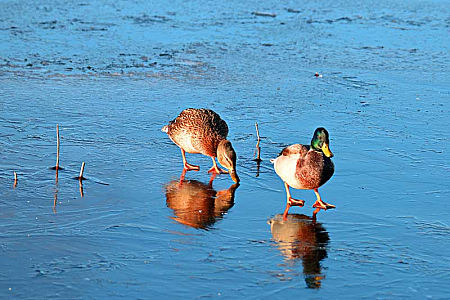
(165, 129)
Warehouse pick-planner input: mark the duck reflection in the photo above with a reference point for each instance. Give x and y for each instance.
(301, 237)
(197, 204)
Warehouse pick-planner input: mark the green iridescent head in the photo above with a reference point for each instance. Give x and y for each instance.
(321, 141)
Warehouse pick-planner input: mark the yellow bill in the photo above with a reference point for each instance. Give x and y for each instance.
(326, 150)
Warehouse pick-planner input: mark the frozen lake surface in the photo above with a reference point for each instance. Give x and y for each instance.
(112, 74)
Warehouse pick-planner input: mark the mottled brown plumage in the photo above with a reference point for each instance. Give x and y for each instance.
(203, 131)
(198, 131)
(197, 204)
(306, 167)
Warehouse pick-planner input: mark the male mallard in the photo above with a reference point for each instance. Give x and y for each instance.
(203, 131)
(301, 237)
(306, 167)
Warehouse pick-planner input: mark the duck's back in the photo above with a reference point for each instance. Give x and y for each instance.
(198, 131)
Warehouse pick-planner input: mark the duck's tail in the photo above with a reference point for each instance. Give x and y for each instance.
(165, 129)
(273, 160)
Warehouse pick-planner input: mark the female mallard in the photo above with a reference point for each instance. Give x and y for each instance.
(203, 131)
(198, 204)
(306, 167)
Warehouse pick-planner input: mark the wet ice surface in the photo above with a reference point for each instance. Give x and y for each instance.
(111, 75)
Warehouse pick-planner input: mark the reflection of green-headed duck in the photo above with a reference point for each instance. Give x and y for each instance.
(299, 237)
(203, 131)
(306, 167)
(197, 204)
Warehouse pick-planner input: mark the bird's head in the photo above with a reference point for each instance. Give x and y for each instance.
(227, 158)
(321, 141)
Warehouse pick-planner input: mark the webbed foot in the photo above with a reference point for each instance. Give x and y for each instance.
(216, 170)
(189, 167)
(323, 205)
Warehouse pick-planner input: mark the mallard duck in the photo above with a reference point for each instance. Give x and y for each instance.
(301, 237)
(203, 131)
(306, 167)
(197, 204)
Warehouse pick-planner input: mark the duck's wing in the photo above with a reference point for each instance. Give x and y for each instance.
(213, 122)
(296, 149)
(201, 120)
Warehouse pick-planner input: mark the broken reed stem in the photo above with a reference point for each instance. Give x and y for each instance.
(57, 146)
(257, 131)
(258, 149)
(15, 179)
(55, 201)
(81, 171)
(81, 188)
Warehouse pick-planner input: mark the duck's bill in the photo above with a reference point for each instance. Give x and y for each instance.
(234, 176)
(326, 150)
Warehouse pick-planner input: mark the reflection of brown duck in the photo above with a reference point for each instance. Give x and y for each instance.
(300, 237)
(197, 204)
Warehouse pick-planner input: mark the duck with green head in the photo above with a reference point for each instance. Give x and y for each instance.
(306, 167)
(203, 131)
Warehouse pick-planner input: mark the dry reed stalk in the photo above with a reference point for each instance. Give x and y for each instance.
(55, 201)
(81, 188)
(258, 149)
(15, 179)
(81, 171)
(57, 146)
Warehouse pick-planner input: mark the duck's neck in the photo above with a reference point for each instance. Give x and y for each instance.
(219, 142)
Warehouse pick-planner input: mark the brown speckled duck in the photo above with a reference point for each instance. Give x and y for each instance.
(197, 204)
(306, 167)
(203, 131)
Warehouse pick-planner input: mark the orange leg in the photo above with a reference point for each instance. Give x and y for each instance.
(215, 169)
(314, 217)
(320, 204)
(211, 179)
(182, 176)
(188, 167)
(291, 202)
